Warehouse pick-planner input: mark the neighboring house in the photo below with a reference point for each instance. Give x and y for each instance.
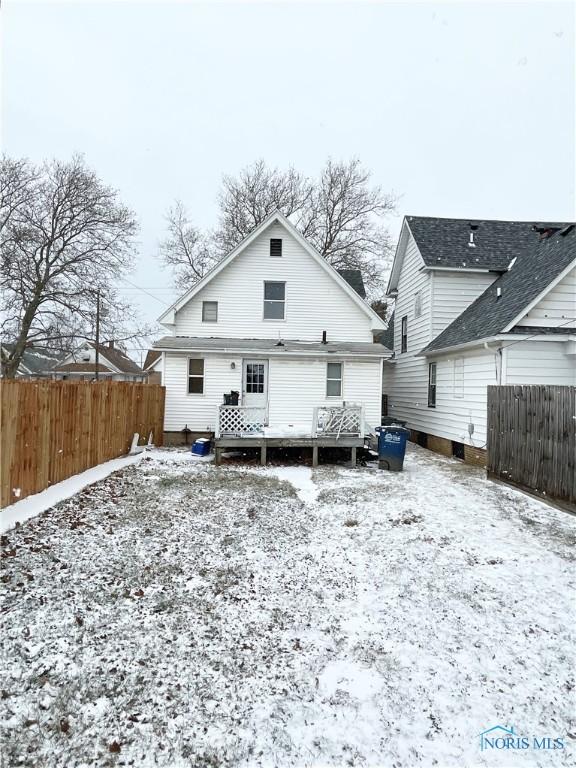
(113, 364)
(276, 323)
(477, 303)
(153, 367)
(36, 362)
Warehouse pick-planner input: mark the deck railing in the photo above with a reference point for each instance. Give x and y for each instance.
(240, 420)
(333, 420)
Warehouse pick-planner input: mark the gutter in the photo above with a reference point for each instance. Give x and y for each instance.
(494, 339)
(271, 352)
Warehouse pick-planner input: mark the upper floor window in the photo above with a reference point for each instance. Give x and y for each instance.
(195, 376)
(432, 385)
(275, 247)
(404, 335)
(274, 300)
(334, 380)
(417, 304)
(209, 311)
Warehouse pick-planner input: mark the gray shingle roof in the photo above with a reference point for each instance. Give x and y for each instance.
(119, 359)
(354, 279)
(533, 270)
(37, 360)
(185, 343)
(444, 242)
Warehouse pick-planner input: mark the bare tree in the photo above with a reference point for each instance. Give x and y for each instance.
(341, 214)
(66, 239)
(189, 252)
(246, 201)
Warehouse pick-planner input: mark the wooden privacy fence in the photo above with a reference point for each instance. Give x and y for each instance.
(51, 430)
(532, 438)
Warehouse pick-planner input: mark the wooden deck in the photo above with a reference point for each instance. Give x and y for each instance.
(263, 443)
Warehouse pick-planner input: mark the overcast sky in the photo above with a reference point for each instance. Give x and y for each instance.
(463, 109)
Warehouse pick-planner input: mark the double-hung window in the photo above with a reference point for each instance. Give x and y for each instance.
(404, 335)
(432, 385)
(274, 300)
(334, 380)
(195, 376)
(209, 311)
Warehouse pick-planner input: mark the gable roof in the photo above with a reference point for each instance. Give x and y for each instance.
(36, 360)
(152, 357)
(168, 317)
(530, 276)
(354, 279)
(114, 356)
(444, 243)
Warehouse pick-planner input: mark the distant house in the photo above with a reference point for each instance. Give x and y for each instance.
(36, 362)
(276, 326)
(153, 367)
(113, 364)
(477, 303)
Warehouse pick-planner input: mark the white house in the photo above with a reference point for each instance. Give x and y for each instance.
(476, 303)
(274, 322)
(113, 364)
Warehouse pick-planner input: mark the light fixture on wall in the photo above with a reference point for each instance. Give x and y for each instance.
(233, 365)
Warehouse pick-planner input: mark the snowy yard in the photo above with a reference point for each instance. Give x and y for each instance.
(179, 614)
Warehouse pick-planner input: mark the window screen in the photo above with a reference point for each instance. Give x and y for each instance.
(334, 380)
(274, 300)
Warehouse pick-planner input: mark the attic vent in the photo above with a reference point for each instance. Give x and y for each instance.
(275, 247)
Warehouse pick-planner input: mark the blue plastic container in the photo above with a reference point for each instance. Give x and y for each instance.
(392, 447)
(201, 447)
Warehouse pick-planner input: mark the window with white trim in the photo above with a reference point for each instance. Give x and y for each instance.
(209, 311)
(195, 376)
(334, 380)
(274, 300)
(432, 385)
(404, 334)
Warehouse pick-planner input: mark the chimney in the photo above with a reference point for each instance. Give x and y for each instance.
(111, 344)
(324, 337)
(471, 243)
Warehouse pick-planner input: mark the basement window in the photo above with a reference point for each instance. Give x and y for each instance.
(275, 247)
(334, 380)
(404, 335)
(432, 385)
(274, 300)
(209, 311)
(195, 376)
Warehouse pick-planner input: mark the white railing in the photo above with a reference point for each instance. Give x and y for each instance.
(240, 420)
(338, 421)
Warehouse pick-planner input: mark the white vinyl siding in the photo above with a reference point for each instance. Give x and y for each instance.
(412, 282)
(407, 390)
(295, 388)
(557, 307)
(314, 302)
(540, 362)
(453, 292)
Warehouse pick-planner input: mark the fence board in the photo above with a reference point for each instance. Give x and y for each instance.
(51, 430)
(532, 438)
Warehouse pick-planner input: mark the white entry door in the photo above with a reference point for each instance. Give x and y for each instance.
(255, 383)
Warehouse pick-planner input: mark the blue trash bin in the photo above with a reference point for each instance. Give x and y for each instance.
(392, 447)
(201, 447)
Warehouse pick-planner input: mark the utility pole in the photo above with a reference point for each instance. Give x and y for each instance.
(97, 356)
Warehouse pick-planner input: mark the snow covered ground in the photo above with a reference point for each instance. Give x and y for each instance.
(179, 614)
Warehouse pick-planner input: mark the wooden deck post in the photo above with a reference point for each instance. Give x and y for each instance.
(263, 453)
(353, 456)
(217, 456)
(314, 455)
